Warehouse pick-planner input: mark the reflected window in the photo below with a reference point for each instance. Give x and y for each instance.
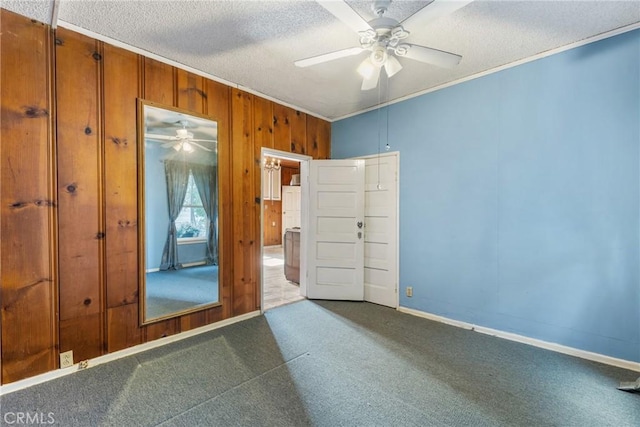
(191, 223)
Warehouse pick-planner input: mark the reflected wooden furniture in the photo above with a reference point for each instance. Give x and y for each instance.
(292, 255)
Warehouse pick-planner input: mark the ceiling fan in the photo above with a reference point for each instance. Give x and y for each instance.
(182, 141)
(384, 38)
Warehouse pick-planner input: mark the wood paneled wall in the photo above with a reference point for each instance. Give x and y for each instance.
(287, 173)
(69, 260)
(272, 223)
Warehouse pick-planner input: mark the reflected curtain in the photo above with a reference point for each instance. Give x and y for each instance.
(177, 177)
(205, 178)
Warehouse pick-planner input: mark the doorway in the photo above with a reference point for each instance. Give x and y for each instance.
(281, 205)
(381, 213)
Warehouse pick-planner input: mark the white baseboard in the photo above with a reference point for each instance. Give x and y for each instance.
(48, 376)
(184, 265)
(595, 357)
(194, 264)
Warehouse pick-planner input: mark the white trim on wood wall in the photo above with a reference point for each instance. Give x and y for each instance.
(558, 348)
(151, 55)
(541, 55)
(82, 365)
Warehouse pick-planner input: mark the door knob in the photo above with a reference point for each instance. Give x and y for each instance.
(359, 224)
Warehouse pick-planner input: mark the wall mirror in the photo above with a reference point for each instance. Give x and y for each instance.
(178, 212)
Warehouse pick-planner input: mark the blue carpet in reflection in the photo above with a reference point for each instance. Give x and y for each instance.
(177, 290)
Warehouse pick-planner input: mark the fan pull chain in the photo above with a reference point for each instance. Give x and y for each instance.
(378, 186)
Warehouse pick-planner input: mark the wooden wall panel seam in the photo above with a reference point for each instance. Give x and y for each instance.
(175, 86)
(102, 249)
(53, 191)
(228, 219)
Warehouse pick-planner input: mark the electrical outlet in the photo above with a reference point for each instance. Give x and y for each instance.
(66, 359)
(409, 291)
(83, 365)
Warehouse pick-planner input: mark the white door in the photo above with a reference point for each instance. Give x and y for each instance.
(381, 230)
(335, 238)
(291, 203)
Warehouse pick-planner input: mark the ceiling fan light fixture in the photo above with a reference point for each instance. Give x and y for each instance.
(378, 56)
(366, 68)
(399, 33)
(187, 147)
(392, 66)
(371, 82)
(383, 37)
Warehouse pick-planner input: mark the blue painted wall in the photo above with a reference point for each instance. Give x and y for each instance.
(156, 205)
(519, 197)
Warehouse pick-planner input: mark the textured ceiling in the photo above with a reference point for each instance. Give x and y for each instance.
(254, 44)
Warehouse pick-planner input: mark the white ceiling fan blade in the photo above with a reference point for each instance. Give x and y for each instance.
(432, 56)
(160, 137)
(202, 140)
(200, 146)
(431, 12)
(343, 12)
(328, 57)
(392, 66)
(169, 144)
(155, 140)
(371, 82)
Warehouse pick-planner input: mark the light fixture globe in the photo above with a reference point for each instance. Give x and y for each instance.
(187, 147)
(366, 68)
(378, 55)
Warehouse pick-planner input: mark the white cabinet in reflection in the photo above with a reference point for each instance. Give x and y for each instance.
(271, 189)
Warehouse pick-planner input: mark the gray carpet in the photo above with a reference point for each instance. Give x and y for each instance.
(338, 363)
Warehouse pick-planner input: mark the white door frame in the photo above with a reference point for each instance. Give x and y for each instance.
(304, 167)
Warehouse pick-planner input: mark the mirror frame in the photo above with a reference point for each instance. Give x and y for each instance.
(142, 247)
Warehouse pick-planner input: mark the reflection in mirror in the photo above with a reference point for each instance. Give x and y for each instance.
(178, 181)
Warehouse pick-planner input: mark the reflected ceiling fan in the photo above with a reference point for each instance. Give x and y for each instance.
(182, 141)
(385, 38)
